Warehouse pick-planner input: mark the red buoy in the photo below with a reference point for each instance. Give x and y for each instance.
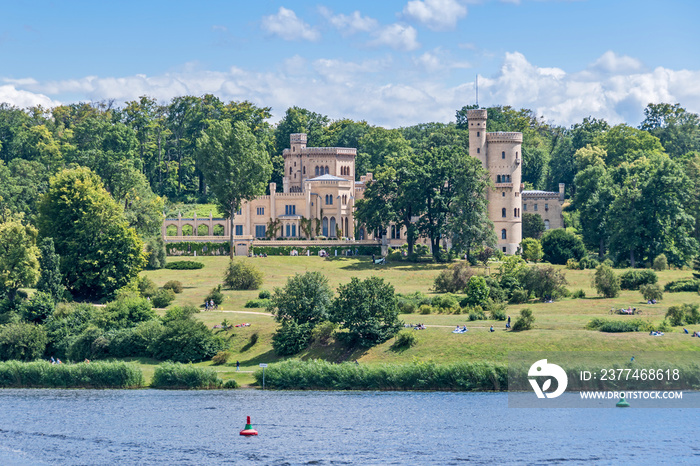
(248, 431)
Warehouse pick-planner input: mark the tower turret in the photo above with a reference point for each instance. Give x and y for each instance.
(477, 135)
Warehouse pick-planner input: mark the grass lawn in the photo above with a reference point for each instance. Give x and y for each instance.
(559, 325)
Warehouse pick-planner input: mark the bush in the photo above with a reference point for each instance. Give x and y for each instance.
(291, 338)
(498, 313)
(477, 315)
(191, 248)
(22, 341)
(305, 299)
(242, 275)
(323, 332)
(155, 247)
(221, 358)
(453, 279)
(519, 296)
(186, 340)
(685, 313)
(445, 303)
(572, 264)
(184, 265)
(43, 374)
(579, 294)
(633, 279)
(661, 262)
(183, 376)
(526, 321)
(685, 284)
(134, 341)
(90, 344)
(215, 295)
(425, 309)
(543, 281)
(125, 311)
(404, 340)
(606, 282)
(652, 291)
(146, 287)
(174, 285)
(559, 246)
(477, 291)
(588, 263)
(257, 303)
(618, 326)
(264, 294)
(39, 307)
(531, 249)
(163, 298)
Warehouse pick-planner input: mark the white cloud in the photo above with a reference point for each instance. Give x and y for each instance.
(392, 92)
(438, 15)
(397, 36)
(349, 24)
(286, 25)
(610, 62)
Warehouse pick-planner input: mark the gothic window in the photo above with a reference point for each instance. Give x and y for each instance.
(288, 231)
(327, 170)
(478, 150)
(316, 171)
(498, 178)
(290, 170)
(503, 154)
(503, 234)
(260, 210)
(546, 224)
(503, 212)
(303, 170)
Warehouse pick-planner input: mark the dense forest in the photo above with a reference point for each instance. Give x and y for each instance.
(633, 191)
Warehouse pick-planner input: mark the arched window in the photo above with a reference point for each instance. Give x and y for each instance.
(546, 224)
(303, 170)
(332, 232)
(498, 178)
(294, 231)
(515, 213)
(478, 150)
(503, 154)
(503, 212)
(347, 231)
(316, 171)
(290, 170)
(325, 227)
(288, 230)
(327, 170)
(503, 234)
(330, 199)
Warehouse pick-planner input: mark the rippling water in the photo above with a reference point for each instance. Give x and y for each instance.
(179, 427)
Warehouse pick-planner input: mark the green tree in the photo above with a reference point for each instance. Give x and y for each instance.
(606, 282)
(99, 253)
(595, 193)
(531, 250)
(560, 245)
(526, 321)
(19, 263)
(377, 146)
(652, 291)
(533, 226)
(543, 281)
(306, 299)
(234, 165)
(626, 144)
(22, 341)
(50, 279)
(677, 129)
(242, 275)
(368, 310)
(477, 291)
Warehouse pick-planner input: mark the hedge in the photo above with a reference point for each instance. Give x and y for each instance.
(184, 265)
(189, 248)
(362, 250)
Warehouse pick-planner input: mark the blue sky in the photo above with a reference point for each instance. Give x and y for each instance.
(392, 63)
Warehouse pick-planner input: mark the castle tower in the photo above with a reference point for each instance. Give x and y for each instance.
(501, 154)
(293, 176)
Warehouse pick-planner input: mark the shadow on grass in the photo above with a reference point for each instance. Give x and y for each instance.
(251, 342)
(268, 356)
(369, 265)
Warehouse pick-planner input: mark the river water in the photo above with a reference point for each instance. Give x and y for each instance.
(201, 427)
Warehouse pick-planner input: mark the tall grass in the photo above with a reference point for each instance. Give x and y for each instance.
(43, 374)
(322, 375)
(185, 376)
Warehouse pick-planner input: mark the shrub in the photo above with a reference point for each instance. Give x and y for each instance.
(519, 296)
(186, 340)
(39, 307)
(618, 326)
(579, 294)
(525, 322)
(264, 294)
(90, 344)
(404, 340)
(163, 298)
(134, 341)
(687, 313)
(323, 332)
(454, 278)
(652, 291)
(146, 287)
(21, 341)
(425, 309)
(477, 291)
(633, 279)
(685, 284)
(126, 311)
(242, 275)
(531, 249)
(179, 313)
(305, 299)
(572, 264)
(174, 285)
(477, 315)
(606, 282)
(560, 245)
(660, 263)
(215, 295)
(184, 265)
(445, 303)
(155, 247)
(544, 281)
(588, 263)
(498, 313)
(291, 338)
(221, 358)
(43, 374)
(257, 303)
(183, 376)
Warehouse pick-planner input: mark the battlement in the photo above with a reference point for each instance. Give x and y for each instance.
(298, 138)
(324, 151)
(504, 137)
(476, 114)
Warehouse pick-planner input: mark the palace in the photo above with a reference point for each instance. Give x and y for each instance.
(319, 184)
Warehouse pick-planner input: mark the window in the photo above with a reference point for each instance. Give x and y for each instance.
(290, 210)
(294, 230)
(503, 234)
(259, 231)
(503, 154)
(295, 164)
(546, 207)
(498, 178)
(478, 151)
(503, 194)
(525, 207)
(329, 199)
(546, 224)
(515, 213)
(327, 171)
(478, 133)
(396, 232)
(288, 230)
(316, 171)
(290, 170)
(239, 230)
(504, 249)
(260, 211)
(303, 170)
(535, 208)
(503, 212)
(239, 212)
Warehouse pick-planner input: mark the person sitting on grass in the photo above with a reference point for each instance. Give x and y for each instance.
(492, 329)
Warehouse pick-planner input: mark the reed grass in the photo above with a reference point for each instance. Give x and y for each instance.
(43, 374)
(185, 377)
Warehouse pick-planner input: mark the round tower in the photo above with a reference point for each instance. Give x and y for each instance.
(477, 135)
(505, 202)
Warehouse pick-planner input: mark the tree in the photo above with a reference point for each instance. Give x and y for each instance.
(531, 250)
(22, 341)
(368, 310)
(544, 281)
(242, 275)
(234, 165)
(305, 299)
(99, 253)
(477, 291)
(594, 195)
(533, 225)
(652, 291)
(590, 156)
(626, 144)
(525, 322)
(677, 129)
(606, 282)
(560, 245)
(50, 280)
(469, 223)
(377, 146)
(19, 263)
(453, 279)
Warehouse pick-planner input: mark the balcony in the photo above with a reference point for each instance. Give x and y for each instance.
(504, 185)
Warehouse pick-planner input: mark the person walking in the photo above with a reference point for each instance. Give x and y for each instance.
(238, 366)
